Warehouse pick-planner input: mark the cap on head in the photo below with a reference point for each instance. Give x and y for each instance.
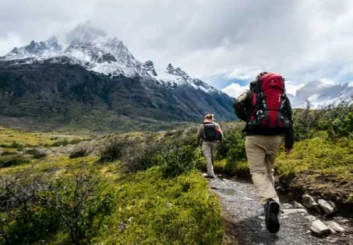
(261, 74)
(209, 116)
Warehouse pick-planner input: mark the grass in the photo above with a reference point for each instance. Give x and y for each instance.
(147, 208)
(319, 154)
(12, 138)
(154, 210)
(321, 165)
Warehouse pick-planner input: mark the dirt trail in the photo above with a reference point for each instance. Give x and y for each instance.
(245, 221)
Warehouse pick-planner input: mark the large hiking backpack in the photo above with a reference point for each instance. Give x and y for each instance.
(268, 102)
(210, 132)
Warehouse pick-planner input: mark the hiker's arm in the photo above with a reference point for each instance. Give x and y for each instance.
(199, 135)
(219, 130)
(289, 136)
(240, 105)
(289, 109)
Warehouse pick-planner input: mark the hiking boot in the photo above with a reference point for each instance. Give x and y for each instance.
(271, 216)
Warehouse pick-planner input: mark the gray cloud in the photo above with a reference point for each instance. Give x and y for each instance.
(303, 39)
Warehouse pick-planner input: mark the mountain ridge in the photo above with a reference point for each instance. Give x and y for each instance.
(97, 77)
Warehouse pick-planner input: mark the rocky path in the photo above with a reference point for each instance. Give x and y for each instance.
(245, 219)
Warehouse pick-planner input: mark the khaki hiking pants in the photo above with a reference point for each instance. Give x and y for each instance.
(261, 151)
(209, 150)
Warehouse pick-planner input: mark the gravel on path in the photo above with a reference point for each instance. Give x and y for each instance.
(244, 217)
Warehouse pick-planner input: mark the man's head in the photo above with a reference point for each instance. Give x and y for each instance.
(209, 117)
(261, 74)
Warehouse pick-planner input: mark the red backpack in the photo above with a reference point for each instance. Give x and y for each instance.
(268, 102)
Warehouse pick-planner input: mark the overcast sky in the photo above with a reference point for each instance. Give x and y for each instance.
(219, 41)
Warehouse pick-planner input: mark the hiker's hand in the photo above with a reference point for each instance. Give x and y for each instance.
(288, 150)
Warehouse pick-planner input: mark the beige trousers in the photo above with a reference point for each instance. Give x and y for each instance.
(261, 151)
(209, 150)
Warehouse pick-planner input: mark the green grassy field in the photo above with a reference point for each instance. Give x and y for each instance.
(83, 200)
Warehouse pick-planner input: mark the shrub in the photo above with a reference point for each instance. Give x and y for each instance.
(63, 142)
(306, 122)
(342, 126)
(38, 208)
(81, 150)
(36, 153)
(25, 220)
(111, 150)
(139, 156)
(178, 159)
(12, 160)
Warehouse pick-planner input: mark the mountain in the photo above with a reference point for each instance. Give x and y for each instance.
(321, 94)
(95, 81)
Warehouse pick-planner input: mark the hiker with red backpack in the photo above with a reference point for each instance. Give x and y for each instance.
(209, 135)
(268, 115)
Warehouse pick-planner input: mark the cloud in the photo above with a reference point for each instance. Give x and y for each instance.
(304, 40)
(235, 89)
(8, 42)
(292, 88)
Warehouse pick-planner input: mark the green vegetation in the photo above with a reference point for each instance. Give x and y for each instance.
(322, 159)
(157, 210)
(146, 192)
(145, 188)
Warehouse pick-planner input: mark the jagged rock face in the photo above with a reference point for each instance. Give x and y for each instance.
(66, 93)
(44, 49)
(149, 67)
(98, 73)
(321, 94)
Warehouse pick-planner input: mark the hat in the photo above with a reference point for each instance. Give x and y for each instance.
(209, 116)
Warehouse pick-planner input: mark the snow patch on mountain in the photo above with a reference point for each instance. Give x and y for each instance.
(318, 94)
(44, 50)
(96, 51)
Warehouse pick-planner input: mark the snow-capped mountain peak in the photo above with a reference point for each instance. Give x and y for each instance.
(45, 49)
(321, 93)
(93, 49)
(178, 72)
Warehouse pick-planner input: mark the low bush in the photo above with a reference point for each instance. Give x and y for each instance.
(111, 149)
(35, 209)
(12, 160)
(14, 144)
(81, 150)
(36, 153)
(157, 210)
(65, 142)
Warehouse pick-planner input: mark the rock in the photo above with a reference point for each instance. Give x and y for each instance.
(326, 206)
(294, 211)
(332, 230)
(262, 217)
(286, 205)
(319, 228)
(308, 201)
(335, 226)
(333, 205)
(310, 218)
(298, 205)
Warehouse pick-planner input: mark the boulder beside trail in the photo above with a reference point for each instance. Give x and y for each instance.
(336, 227)
(326, 206)
(318, 228)
(309, 201)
